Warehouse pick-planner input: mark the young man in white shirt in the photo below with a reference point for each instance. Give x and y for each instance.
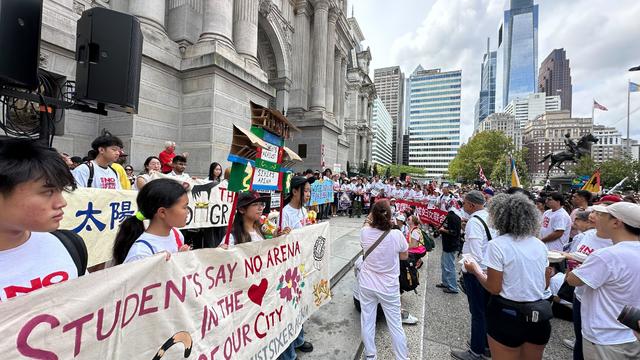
(32, 178)
(98, 173)
(610, 279)
(556, 223)
(477, 236)
(179, 164)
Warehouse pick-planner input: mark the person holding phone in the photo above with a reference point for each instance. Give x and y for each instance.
(610, 278)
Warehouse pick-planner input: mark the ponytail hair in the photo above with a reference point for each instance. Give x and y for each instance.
(161, 193)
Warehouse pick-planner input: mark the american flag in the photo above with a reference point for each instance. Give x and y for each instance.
(598, 106)
(482, 177)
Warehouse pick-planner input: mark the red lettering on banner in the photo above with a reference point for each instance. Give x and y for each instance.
(269, 320)
(23, 337)
(99, 335)
(222, 274)
(37, 283)
(133, 313)
(78, 324)
(280, 254)
(146, 297)
(254, 264)
(171, 287)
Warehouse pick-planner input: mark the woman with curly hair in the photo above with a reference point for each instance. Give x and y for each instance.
(518, 316)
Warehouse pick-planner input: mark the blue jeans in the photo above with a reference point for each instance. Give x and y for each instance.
(577, 329)
(448, 269)
(478, 299)
(290, 353)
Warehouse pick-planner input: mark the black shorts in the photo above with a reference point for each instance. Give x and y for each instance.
(509, 330)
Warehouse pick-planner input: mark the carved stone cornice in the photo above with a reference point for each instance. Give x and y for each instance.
(303, 7)
(321, 5)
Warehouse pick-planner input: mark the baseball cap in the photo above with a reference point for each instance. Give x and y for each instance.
(609, 198)
(249, 197)
(628, 213)
(401, 218)
(488, 191)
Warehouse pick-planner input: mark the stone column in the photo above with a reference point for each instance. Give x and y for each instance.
(363, 147)
(343, 82)
(300, 56)
(245, 28)
(319, 76)
(149, 12)
(217, 22)
(335, 95)
(331, 45)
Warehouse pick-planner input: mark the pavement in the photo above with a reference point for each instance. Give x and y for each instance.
(444, 321)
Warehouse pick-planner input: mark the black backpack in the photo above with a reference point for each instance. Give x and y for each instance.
(409, 277)
(76, 248)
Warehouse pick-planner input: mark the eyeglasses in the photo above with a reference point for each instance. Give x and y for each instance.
(259, 204)
(129, 169)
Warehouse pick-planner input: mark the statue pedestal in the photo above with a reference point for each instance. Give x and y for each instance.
(561, 183)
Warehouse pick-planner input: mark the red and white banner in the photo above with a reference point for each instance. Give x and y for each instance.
(431, 216)
(248, 302)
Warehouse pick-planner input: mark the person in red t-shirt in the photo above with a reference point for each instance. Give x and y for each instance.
(166, 157)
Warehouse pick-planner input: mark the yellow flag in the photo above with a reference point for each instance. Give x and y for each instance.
(593, 184)
(515, 179)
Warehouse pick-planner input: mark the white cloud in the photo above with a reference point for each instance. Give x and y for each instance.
(600, 39)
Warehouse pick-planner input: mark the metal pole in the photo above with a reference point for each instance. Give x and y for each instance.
(628, 117)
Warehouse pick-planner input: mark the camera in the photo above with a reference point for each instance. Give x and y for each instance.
(629, 316)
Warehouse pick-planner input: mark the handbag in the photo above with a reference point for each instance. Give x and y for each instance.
(531, 312)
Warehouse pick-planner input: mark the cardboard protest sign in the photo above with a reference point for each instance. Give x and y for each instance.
(95, 214)
(321, 192)
(248, 302)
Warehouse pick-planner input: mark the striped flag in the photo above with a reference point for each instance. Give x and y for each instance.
(633, 87)
(482, 177)
(598, 106)
(593, 184)
(515, 179)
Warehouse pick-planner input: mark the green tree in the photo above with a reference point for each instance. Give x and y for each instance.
(614, 170)
(395, 170)
(585, 166)
(484, 149)
(501, 173)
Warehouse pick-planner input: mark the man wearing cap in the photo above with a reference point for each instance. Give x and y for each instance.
(488, 193)
(477, 236)
(118, 166)
(610, 278)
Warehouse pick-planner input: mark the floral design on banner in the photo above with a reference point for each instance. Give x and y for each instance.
(321, 292)
(290, 286)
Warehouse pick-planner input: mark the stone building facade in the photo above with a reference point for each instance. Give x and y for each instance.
(204, 60)
(505, 123)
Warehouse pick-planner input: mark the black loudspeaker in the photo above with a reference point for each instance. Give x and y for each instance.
(20, 23)
(403, 177)
(109, 57)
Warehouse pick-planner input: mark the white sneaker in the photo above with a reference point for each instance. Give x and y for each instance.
(569, 343)
(408, 319)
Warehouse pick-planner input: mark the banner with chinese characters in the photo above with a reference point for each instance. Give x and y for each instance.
(248, 302)
(95, 214)
(427, 215)
(321, 192)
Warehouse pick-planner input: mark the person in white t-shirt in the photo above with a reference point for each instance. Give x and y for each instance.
(32, 179)
(151, 166)
(294, 216)
(179, 163)
(610, 278)
(584, 244)
(98, 173)
(378, 281)
(474, 247)
(246, 222)
(556, 223)
(164, 203)
(516, 277)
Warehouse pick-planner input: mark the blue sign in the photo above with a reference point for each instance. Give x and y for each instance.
(321, 192)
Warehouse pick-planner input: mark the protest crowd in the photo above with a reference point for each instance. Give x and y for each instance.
(525, 257)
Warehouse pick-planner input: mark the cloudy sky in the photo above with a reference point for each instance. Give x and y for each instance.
(601, 38)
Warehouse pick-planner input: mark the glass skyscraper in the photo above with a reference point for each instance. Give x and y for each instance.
(433, 108)
(517, 58)
(486, 104)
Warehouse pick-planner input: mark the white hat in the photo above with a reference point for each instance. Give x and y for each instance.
(628, 213)
(401, 218)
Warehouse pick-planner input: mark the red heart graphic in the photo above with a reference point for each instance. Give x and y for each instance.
(256, 292)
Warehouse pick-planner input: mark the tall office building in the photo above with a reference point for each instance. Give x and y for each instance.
(517, 54)
(433, 104)
(531, 106)
(555, 77)
(505, 123)
(486, 104)
(389, 83)
(609, 145)
(382, 125)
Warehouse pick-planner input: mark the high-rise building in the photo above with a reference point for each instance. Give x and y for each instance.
(505, 123)
(389, 83)
(405, 149)
(382, 125)
(517, 54)
(533, 105)
(433, 104)
(555, 77)
(609, 145)
(545, 135)
(486, 104)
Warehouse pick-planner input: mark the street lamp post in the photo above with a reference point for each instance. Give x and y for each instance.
(636, 68)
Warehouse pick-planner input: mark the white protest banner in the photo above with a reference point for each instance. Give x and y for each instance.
(248, 302)
(95, 214)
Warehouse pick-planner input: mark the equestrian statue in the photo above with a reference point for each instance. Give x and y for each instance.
(573, 151)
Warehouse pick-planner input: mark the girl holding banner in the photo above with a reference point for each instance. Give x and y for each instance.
(165, 203)
(246, 222)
